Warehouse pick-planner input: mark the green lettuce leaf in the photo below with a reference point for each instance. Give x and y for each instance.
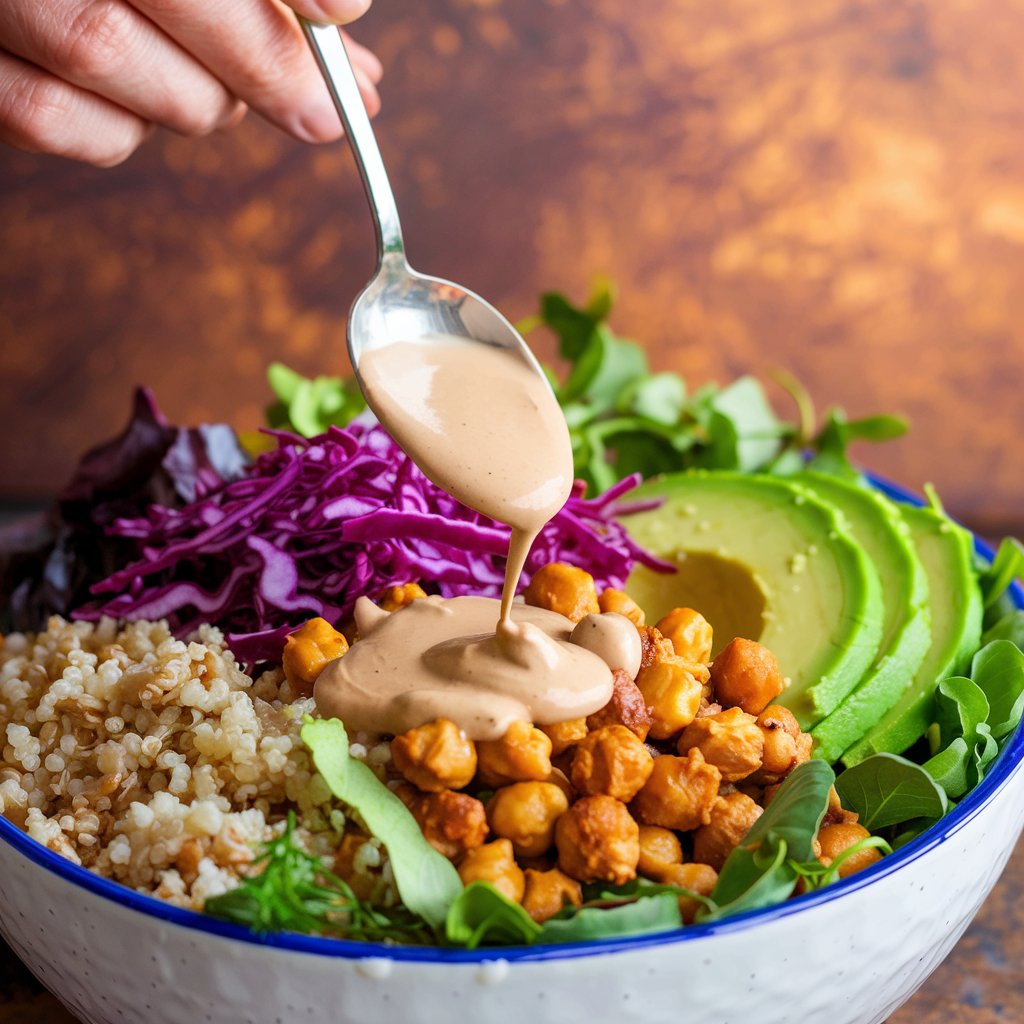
(427, 882)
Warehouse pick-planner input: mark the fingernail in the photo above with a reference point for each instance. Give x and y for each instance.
(340, 11)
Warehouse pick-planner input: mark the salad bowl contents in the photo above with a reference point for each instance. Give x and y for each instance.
(752, 710)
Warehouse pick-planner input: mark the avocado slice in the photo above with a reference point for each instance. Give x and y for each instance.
(947, 553)
(876, 524)
(763, 559)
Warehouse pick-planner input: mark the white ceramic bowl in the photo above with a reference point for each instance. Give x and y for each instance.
(849, 954)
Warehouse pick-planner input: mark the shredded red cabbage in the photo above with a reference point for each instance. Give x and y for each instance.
(316, 523)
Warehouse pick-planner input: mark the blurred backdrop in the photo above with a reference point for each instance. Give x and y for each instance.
(834, 188)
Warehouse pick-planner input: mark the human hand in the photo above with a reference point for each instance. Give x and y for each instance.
(90, 79)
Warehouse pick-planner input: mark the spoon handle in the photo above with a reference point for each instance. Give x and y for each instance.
(329, 50)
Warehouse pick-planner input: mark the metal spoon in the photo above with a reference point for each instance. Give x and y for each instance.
(398, 304)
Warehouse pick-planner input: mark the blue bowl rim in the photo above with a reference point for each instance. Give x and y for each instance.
(999, 774)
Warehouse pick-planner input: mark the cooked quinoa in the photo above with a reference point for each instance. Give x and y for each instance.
(158, 762)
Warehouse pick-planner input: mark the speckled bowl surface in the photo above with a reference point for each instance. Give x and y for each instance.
(849, 954)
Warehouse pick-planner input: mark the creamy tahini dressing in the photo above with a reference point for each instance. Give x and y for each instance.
(486, 428)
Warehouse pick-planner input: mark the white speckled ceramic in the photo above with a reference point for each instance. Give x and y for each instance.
(849, 954)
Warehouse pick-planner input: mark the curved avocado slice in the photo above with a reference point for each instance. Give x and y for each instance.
(765, 560)
(947, 553)
(878, 527)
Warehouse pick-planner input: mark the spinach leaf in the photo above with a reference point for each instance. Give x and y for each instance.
(426, 880)
(744, 432)
(656, 912)
(1007, 566)
(998, 671)
(760, 871)
(961, 707)
(481, 916)
(886, 789)
(1009, 627)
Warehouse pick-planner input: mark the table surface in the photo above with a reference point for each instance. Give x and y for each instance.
(834, 188)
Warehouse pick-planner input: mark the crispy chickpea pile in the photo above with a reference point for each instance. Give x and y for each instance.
(661, 783)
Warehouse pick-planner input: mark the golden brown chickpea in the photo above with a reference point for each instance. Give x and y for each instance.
(784, 746)
(598, 841)
(837, 839)
(626, 707)
(361, 882)
(613, 761)
(680, 792)
(698, 878)
(308, 650)
(730, 740)
(660, 850)
(564, 735)
(746, 674)
(612, 600)
(398, 597)
(731, 818)
(548, 892)
(525, 813)
(435, 756)
(673, 693)
(451, 822)
(494, 863)
(523, 754)
(564, 589)
(689, 632)
(653, 646)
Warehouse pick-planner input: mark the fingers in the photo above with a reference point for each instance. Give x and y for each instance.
(363, 59)
(43, 114)
(108, 48)
(256, 48)
(330, 12)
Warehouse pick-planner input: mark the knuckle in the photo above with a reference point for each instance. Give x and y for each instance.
(95, 40)
(36, 111)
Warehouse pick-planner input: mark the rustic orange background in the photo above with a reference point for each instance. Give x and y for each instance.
(836, 188)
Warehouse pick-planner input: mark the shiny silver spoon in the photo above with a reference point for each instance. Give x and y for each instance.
(398, 304)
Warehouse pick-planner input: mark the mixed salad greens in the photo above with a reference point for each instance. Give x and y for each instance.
(257, 536)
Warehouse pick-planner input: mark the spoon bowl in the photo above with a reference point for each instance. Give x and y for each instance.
(399, 304)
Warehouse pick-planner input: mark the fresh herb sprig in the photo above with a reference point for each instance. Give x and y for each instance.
(291, 890)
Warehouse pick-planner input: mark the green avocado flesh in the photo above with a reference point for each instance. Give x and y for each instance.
(878, 527)
(762, 558)
(946, 551)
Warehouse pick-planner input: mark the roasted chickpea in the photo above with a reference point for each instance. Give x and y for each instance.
(660, 850)
(525, 813)
(730, 820)
(564, 735)
(653, 646)
(730, 740)
(689, 633)
(612, 600)
(548, 892)
(398, 597)
(523, 754)
(361, 882)
(784, 745)
(451, 822)
(837, 839)
(494, 863)
(308, 650)
(435, 756)
(626, 707)
(746, 674)
(611, 760)
(698, 878)
(679, 793)
(673, 693)
(598, 841)
(564, 589)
